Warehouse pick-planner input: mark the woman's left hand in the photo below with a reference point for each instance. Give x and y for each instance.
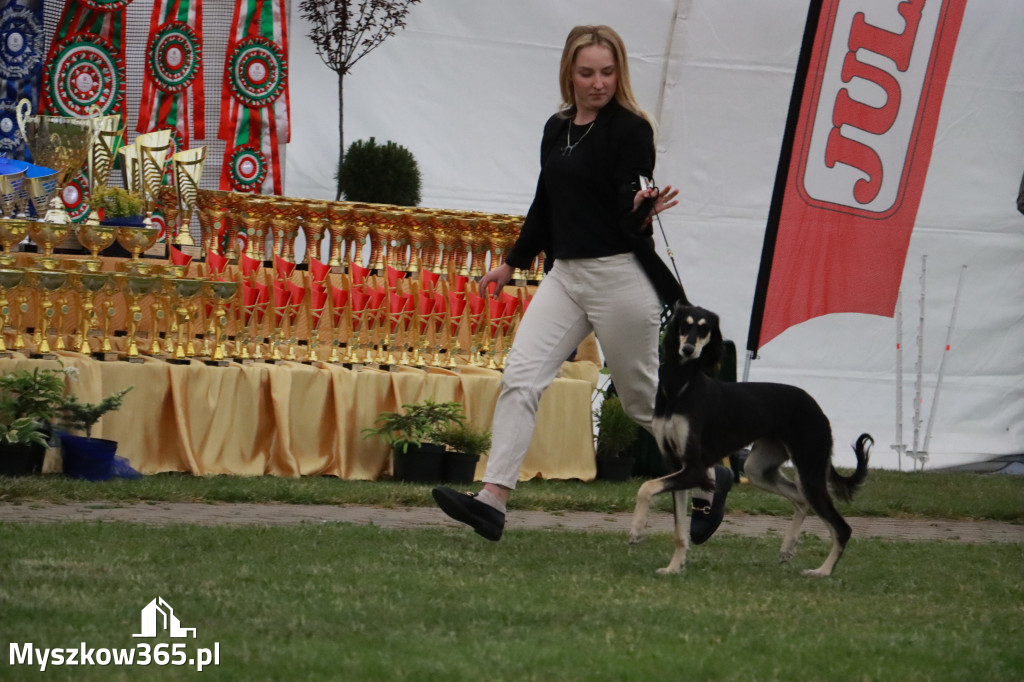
(664, 199)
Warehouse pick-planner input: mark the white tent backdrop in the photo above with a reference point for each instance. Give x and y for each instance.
(468, 85)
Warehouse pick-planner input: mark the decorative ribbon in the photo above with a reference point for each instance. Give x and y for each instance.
(85, 64)
(21, 67)
(254, 99)
(174, 65)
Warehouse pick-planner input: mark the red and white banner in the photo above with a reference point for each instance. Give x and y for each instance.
(855, 156)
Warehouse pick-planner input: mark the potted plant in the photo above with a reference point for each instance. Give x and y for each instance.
(616, 430)
(465, 444)
(84, 456)
(410, 434)
(118, 206)
(29, 401)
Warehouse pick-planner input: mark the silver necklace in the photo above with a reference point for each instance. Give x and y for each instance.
(569, 145)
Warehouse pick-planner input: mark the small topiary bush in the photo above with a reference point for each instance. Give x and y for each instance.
(379, 174)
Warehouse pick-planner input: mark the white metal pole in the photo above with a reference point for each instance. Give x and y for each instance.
(942, 366)
(920, 364)
(746, 365)
(900, 447)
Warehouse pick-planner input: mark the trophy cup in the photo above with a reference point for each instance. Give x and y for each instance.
(87, 284)
(316, 219)
(188, 169)
(253, 212)
(356, 232)
(12, 232)
(134, 287)
(59, 143)
(95, 238)
(104, 148)
(338, 254)
(9, 281)
(12, 175)
(418, 237)
(212, 210)
(184, 293)
(135, 240)
(284, 228)
(220, 293)
(49, 282)
(152, 151)
(47, 236)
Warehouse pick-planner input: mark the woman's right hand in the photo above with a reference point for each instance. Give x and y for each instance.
(500, 275)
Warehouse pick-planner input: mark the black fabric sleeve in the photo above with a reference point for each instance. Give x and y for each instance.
(635, 157)
(534, 235)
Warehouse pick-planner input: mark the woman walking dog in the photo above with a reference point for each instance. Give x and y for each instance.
(591, 214)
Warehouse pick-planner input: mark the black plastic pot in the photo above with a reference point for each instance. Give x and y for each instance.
(458, 467)
(18, 459)
(613, 468)
(419, 464)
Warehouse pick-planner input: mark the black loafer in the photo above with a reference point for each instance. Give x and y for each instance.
(705, 520)
(465, 508)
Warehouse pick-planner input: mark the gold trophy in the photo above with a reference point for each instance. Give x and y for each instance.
(9, 281)
(253, 212)
(49, 282)
(59, 143)
(10, 191)
(284, 228)
(184, 293)
(314, 224)
(12, 232)
(134, 287)
(104, 148)
(356, 232)
(135, 240)
(188, 169)
(95, 238)
(219, 293)
(87, 284)
(337, 218)
(213, 209)
(47, 236)
(152, 151)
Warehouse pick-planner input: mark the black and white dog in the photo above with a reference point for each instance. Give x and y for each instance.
(699, 420)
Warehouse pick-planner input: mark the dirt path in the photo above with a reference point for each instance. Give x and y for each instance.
(161, 513)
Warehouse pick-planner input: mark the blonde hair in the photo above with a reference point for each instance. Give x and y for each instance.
(585, 36)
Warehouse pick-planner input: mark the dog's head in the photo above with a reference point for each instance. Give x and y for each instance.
(692, 335)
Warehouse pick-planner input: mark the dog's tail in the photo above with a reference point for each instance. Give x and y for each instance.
(845, 487)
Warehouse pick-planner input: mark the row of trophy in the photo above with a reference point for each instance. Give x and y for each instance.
(262, 315)
(409, 239)
(72, 156)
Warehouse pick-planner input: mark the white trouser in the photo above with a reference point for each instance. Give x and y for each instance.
(610, 296)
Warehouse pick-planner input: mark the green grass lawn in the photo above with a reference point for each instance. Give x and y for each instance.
(341, 602)
(886, 493)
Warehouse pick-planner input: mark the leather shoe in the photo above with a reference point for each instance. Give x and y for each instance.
(465, 508)
(705, 519)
